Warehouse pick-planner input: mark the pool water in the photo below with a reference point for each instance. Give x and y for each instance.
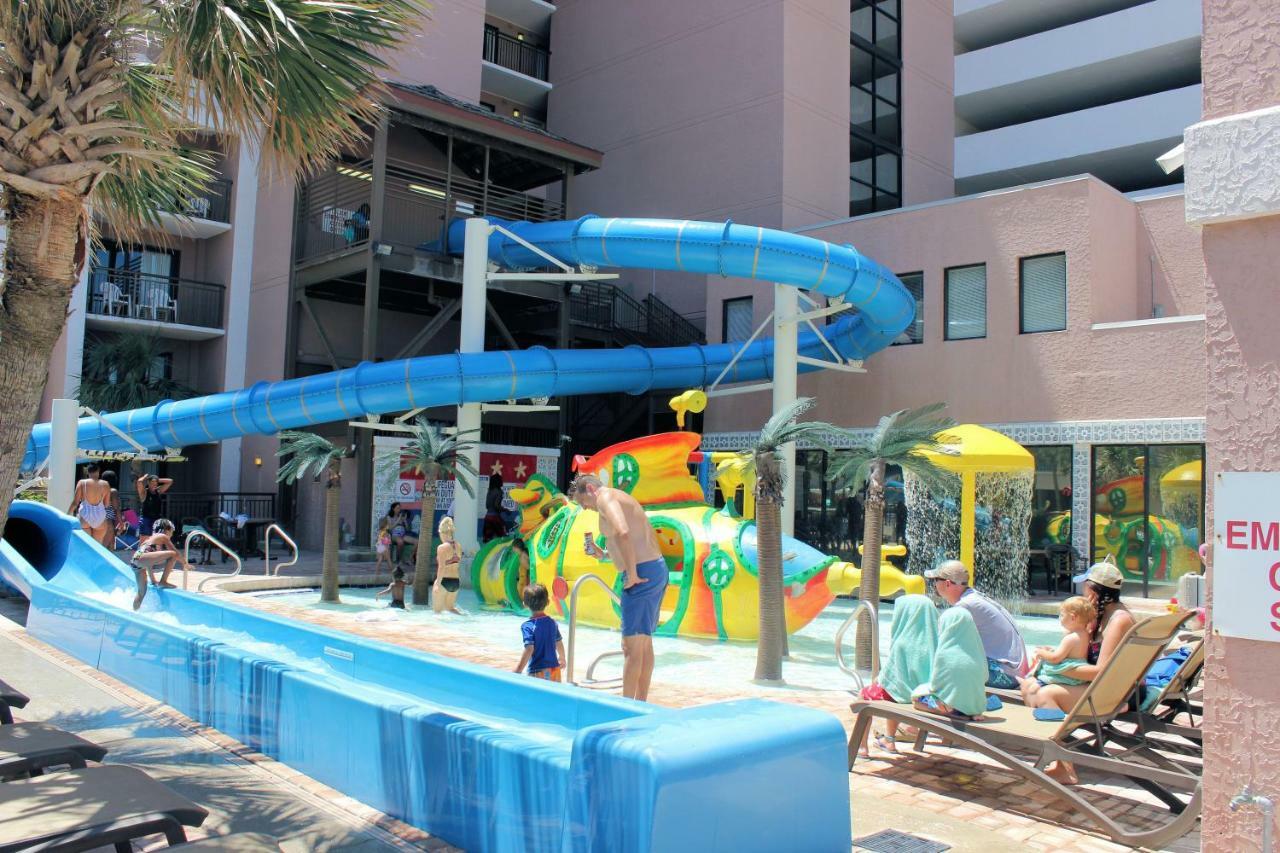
(710, 663)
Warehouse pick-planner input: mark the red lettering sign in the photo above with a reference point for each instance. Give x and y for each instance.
(1275, 576)
(1275, 611)
(1236, 534)
(1265, 538)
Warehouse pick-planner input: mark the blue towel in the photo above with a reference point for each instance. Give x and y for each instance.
(994, 703)
(1049, 715)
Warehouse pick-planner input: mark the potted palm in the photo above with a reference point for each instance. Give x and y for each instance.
(97, 99)
(899, 439)
(305, 453)
(764, 461)
(435, 455)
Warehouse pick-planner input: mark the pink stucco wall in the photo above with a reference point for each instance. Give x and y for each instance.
(1242, 692)
(710, 110)
(1079, 374)
(444, 50)
(928, 105)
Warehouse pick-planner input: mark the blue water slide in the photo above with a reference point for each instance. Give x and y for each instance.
(885, 309)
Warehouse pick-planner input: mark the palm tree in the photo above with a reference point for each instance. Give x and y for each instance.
(308, 453)
(899, 439)
(764, 461)
(433, 454)
(96, 103)
(120, 373)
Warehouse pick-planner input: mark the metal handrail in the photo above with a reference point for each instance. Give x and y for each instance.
(573, 619)
(213, 540)
(875, 642)
(266, 549)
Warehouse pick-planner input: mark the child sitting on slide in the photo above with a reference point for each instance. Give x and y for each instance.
(1049, 665)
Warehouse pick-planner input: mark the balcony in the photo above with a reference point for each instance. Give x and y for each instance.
(334, 207)
(202, 215)
(129, 301)
(514, 69)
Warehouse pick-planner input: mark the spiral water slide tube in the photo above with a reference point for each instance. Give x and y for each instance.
(884, 310)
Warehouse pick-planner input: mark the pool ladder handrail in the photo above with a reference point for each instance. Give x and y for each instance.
(588, 681)
(266, 549)
(875, 642)
(200, 533)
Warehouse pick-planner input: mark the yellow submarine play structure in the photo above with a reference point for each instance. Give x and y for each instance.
(710, 553)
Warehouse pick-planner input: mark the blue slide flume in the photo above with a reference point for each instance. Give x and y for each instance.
(884, 310)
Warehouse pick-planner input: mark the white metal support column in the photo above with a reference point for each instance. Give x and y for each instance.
(243, 221)
(475, 270)
(62, 453)
(786, 305)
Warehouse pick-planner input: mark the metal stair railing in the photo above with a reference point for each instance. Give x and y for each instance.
(266, 550)
(200, 533)
(588, 681)
(875, 643)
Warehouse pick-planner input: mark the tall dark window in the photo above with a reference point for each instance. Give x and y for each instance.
(875, 96)
(914, 283)
(738, 321)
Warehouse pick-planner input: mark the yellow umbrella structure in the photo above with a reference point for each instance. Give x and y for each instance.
(1184, 479)
(970, 450)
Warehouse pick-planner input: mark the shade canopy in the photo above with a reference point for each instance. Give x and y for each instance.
(979, 450)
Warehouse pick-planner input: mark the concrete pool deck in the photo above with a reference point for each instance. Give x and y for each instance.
(947, 796)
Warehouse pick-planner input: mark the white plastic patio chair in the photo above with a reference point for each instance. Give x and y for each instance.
(155, 298)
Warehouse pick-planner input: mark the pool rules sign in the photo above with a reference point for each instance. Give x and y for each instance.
(1246, 555)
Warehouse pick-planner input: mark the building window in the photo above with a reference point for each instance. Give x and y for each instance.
(875, 96)
(1051, 496)
(738, 319)
(914, 283)
(1148, 512)
(1043, 293)
(965, 303)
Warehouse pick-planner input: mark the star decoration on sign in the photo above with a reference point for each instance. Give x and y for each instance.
(521, 470)
(496, 467)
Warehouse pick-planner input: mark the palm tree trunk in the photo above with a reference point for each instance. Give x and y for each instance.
(424, 575)
(773, 626)
(872, 534)
(329, 570)
(44, 256)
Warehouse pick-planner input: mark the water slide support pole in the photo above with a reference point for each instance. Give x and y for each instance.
(62, 453)
(786, 305)
(475, 271)
(968, 509)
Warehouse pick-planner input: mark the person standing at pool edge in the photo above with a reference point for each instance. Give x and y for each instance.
(1005, 650)
(633, 546)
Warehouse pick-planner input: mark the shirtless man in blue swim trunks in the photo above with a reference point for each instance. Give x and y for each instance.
(633, 547)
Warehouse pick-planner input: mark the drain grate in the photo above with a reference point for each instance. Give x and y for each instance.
(892, 841)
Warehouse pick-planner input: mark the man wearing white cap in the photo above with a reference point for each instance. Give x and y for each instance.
(1003, 645)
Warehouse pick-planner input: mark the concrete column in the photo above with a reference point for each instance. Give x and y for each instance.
(786, 305)
(74, 335)
(369, 335)
(62, 453)
(475, 269)
(243, 222)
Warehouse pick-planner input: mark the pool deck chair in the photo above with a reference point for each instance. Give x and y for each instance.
(1174, 699)
(1081, 738)
(28, 749)
(91, 808)
(10, 699)
(241, 842)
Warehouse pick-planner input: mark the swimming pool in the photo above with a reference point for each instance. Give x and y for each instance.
(680, 660)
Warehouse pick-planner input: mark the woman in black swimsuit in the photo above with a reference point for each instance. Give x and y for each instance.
(1102, 585)
(448, 558)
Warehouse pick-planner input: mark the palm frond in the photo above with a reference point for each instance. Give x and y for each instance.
(900, 438)
(301, 74)
(120, 374)
(430, 450)
(305, 453)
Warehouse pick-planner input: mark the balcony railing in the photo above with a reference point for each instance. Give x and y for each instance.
(334, 207)
(201, 507)
(213, 203)
(651, 321)
(502, 49)
(144, 296)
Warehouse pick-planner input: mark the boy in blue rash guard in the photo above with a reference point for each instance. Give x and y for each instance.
(543, 649)
(633, 546)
